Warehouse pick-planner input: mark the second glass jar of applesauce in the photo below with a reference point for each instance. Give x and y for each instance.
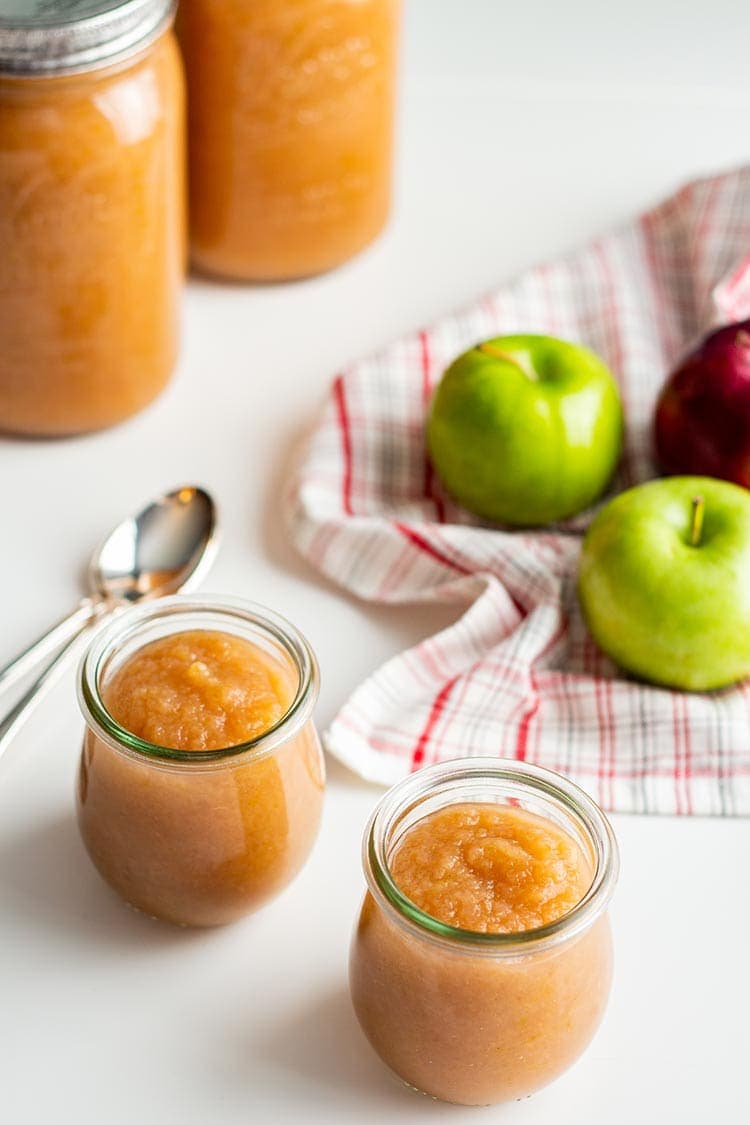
(291, 106)
(467, 1013)
(92, 224)
(201, 779)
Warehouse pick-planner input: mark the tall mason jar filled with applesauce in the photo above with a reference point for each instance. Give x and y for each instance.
(201, 779)
(471, 1015)
(92, 210)
(291, 108)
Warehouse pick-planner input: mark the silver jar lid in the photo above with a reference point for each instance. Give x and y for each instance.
(45, 37)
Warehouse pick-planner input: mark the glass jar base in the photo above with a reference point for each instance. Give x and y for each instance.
(214, 266)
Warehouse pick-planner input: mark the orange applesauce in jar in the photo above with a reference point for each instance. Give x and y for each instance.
(92, 210)
(201, 779)
(291, 106)
(490, 868)
(481, 963)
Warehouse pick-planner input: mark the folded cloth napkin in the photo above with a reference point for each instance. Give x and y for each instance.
(517, 675)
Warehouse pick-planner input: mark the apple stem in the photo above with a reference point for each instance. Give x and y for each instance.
(697, 523)
(490, 349)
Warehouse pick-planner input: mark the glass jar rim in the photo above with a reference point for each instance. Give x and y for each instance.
(127, 623)
(535, 779)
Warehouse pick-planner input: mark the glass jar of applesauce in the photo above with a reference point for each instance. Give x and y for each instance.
(291, 106)
(466, 1013)
(201, 780)
(92, 224)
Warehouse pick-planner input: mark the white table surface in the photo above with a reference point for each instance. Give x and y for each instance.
(521, 133)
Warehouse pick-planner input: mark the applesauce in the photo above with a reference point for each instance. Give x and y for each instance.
(481, 962)
(92, 211)
(201, 779)
(291, 110)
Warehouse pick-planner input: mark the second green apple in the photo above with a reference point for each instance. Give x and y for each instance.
(664, 582)
(526, 429)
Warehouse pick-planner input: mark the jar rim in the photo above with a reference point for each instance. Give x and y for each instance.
(127, 623)
(543, 783)
(53, 44)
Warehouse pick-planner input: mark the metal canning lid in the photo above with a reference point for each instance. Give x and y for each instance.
(45, 37)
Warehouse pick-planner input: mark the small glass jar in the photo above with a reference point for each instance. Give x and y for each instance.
(92, 210)
(479, 1018)
(199, 837)
(291, 107)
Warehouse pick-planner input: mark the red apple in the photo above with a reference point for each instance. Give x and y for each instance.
(702, 423)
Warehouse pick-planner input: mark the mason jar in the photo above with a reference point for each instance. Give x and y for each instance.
(198, 836)
(291, 109)
(92, 210)
(478, 1018)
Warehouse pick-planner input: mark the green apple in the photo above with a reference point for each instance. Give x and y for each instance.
(664, 582)
(525, 429)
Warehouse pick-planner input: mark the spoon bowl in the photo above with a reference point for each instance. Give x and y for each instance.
(164, 549)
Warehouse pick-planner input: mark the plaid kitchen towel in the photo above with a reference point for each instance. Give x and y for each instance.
(517, 675)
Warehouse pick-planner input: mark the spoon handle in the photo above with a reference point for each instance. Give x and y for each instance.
(45, 645)
(18, 714)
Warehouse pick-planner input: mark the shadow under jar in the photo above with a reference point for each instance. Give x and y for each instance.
(291, 107)
(201, 834)
(479, 1017)
(92, 210)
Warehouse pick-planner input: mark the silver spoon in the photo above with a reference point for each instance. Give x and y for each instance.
(165, 548)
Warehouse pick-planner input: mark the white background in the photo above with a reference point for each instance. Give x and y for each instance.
(523, 130)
